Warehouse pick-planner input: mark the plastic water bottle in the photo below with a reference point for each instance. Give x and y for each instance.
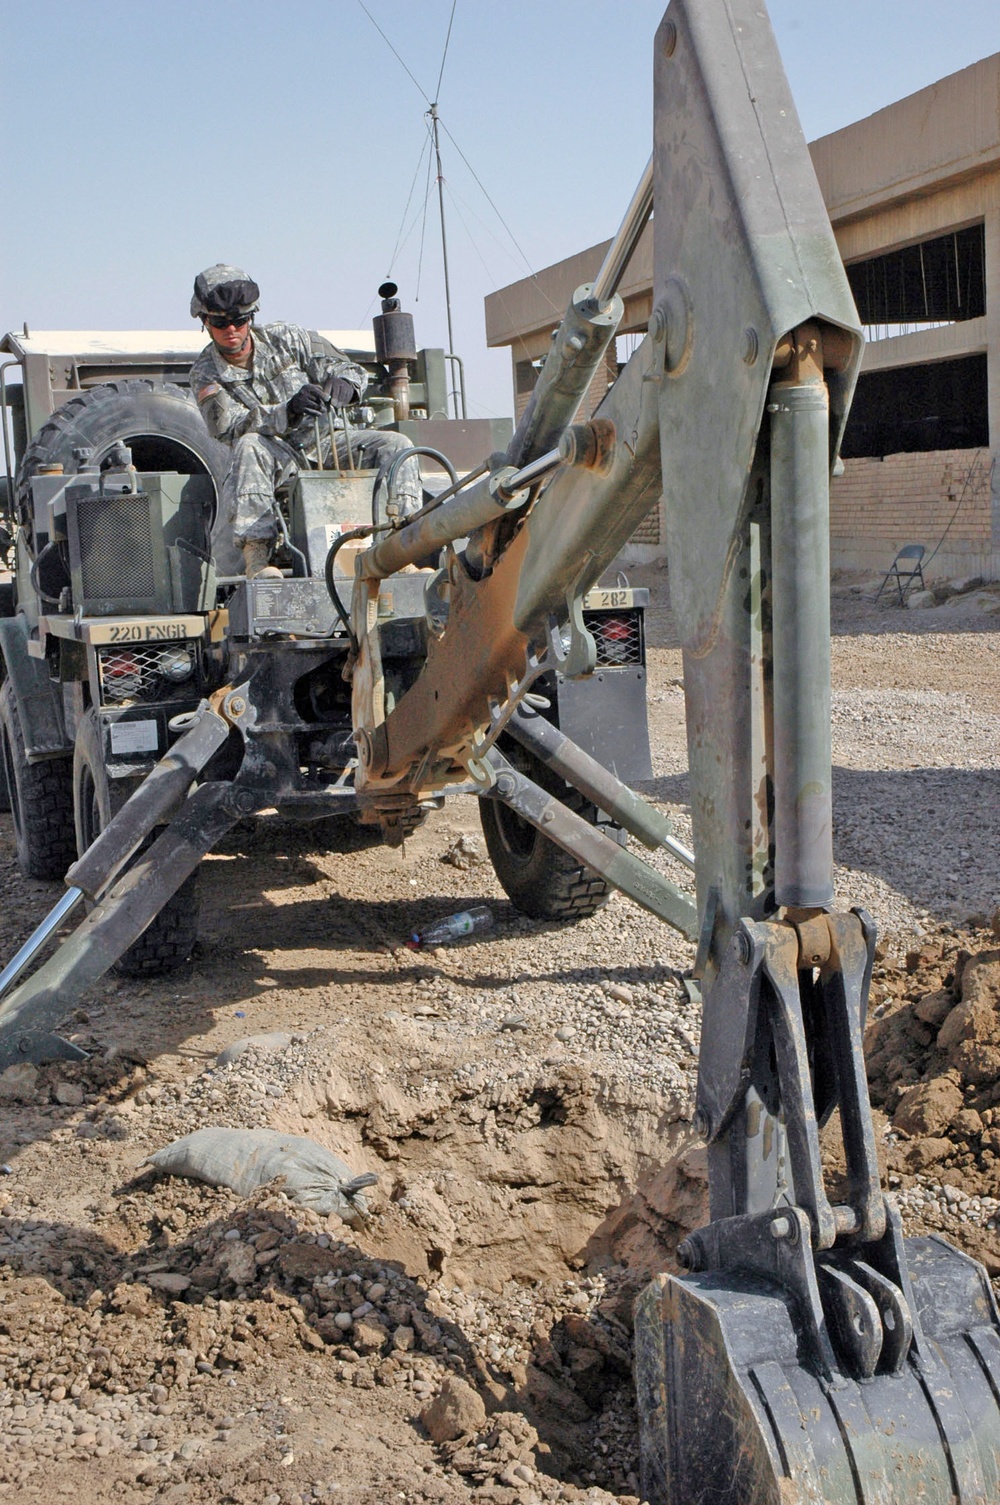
(453, 927)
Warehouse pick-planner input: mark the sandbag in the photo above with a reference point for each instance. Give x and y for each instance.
(245, 1159)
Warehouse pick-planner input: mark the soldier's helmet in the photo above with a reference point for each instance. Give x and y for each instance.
(224, 290)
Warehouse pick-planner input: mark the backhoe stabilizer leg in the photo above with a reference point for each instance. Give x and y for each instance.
(29, 1014)
(157, 797)
(588, 844)
(596, 783)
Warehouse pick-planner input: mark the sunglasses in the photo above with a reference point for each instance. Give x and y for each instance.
(226, 321)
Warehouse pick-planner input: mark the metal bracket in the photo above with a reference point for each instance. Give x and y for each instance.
(474, 755)
(580, 658)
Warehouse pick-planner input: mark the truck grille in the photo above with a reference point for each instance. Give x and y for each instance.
(116, 546)
(136, 674)
(618, 636)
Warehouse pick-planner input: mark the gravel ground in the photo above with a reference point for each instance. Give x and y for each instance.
(524, 1098)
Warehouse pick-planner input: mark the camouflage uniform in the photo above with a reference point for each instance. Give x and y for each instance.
(247, 409)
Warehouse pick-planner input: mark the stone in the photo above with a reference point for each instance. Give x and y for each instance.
(925, 1152)
(921, 600)
(934, 1008)
(464, 853)
(403, 1337)
(968, 1124)
(456, 1411)
(619, 992)
(307, 1261)
(928, 1108)
(237, 1262)
(19, 1083)
(168, 1280)
(69, 1094)
(566, 1032)
(369, 1336)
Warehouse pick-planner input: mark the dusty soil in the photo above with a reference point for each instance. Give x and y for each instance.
(525, 1099)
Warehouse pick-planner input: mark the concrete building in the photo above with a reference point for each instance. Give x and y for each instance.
(913, 194)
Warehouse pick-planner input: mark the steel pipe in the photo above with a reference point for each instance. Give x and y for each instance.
(577, 351)
(620, 251)
(36, 940)
(800, 569)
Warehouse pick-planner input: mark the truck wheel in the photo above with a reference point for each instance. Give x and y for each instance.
(169, 939)
(41, 799)
(539, 878)
(160, 422)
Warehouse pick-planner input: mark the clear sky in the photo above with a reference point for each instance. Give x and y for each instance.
(143, 141)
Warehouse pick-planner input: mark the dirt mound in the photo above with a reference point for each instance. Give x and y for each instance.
(933, 1053)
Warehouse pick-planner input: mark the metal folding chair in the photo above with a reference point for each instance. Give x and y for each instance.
(911, 554)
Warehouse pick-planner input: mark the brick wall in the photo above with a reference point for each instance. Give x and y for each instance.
(876, 506)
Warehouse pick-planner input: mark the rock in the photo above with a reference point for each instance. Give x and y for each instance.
(69, 1094)
(514, 1022)
(270, 1041)
(403, 1338)
(19, 1083)
(968, 1124)
(168, 1280)
(343, 1321)
(929, 1108)
(971, 1033)
(566, 1032)
(464, 853)
(921, 600)
(457, 1411)
(934, 1008)
(307, 1261)
(924, 1152)
(369, 1335)
(237, 1262)
(619, 992)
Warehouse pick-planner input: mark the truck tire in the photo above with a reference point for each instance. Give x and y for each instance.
(169, 939)
(539, 878)
(41, 799)
(160, 422)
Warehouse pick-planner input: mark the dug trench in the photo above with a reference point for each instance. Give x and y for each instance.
(525, 1099)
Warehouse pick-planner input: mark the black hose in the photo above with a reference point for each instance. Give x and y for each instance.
(33, 574)
(331, 585)
(390, 476)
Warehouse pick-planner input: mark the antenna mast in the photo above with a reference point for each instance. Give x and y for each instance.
(433, 113)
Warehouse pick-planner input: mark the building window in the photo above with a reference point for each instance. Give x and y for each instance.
(939, 281)
(941, 405)
(525, 376)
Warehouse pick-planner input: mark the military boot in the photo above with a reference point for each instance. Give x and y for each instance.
(256, 552)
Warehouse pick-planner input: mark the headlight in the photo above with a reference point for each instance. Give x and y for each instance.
(175, 664)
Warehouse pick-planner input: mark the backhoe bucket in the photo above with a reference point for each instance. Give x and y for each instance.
(739, 1405)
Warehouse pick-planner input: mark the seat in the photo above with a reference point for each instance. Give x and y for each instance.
(905, 568)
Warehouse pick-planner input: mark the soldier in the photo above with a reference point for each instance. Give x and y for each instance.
(260, 389)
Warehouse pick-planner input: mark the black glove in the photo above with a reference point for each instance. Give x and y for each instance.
(340, 391)
(308, 399)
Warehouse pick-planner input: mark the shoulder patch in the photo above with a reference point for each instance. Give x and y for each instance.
(204, 393)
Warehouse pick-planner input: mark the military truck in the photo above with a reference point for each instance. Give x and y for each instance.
(127, 607)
